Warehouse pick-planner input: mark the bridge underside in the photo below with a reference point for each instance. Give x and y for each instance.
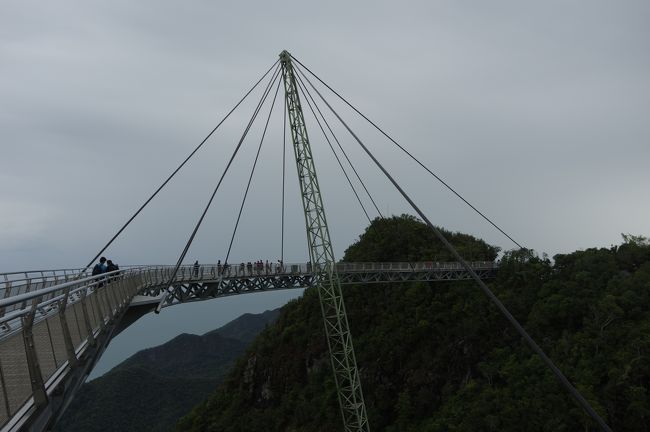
(213, 287)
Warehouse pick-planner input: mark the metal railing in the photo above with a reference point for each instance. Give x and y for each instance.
(17, 283)
(18, 289)
(162, 273)
(45, 331)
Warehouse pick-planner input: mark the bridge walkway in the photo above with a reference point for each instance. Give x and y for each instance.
(55, 324)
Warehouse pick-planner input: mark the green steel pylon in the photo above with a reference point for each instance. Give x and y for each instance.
(322, 260)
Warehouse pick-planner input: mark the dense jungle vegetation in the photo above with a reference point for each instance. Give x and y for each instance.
(439, 356)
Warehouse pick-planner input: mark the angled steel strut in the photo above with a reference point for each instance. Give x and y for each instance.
(321, 257)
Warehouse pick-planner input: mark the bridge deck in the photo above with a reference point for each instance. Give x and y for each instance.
(55, 324)
(213, 281)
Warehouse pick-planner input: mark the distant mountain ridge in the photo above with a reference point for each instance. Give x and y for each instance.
(247, 327)
(156, 386)
(198, 359)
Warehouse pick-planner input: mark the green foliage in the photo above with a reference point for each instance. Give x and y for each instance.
(439, 356)
(405, 238)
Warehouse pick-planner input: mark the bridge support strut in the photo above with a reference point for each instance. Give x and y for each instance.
(321, 256)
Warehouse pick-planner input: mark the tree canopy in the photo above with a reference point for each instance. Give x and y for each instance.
(439, 357)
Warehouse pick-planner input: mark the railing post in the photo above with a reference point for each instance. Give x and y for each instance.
(84, 310)
(5, 393)
(131, 283)
(110, 300)
(112, 294)
(67, 338)
(121, 287)
(7, 293)
(35, 376)
(28, 285)
(98, 306)
(101, 291)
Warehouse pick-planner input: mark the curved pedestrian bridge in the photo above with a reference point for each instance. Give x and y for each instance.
(55, 324)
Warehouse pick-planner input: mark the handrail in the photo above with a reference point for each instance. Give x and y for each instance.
(234, 270)
(78, 270)
(19, 298)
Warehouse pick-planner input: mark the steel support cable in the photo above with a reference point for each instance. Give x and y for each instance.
(214, 192)
(178, 168)
(300, 86)
(250, 178)
(346, 156)
(495, 300)
(305, 89)
(284, 165)
(241, 140)
(408, 153)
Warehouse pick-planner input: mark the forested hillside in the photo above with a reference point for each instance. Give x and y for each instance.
(439, 356)
(153, 388)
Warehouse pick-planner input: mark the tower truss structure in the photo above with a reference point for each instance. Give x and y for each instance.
(322, 260)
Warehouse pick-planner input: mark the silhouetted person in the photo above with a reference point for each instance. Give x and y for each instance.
(110, 267)
(196, 268)
(100, 267)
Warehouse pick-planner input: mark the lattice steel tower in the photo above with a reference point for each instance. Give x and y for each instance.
(322, 260)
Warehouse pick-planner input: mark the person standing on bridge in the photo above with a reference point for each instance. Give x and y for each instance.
(111, 267)
(196, 268)
(100, 267)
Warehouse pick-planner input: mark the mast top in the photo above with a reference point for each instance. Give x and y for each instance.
(285, 57)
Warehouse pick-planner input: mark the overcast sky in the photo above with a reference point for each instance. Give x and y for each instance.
(537, 112)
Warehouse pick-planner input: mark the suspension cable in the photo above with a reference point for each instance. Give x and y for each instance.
(408, 153)
(305, 89)
(178, 168)
(250, 178)
(214, 192)
(334, 153)
(495, 300)
(381, 216)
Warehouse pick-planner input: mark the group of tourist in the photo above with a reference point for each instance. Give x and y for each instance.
(258, 267)
(104, 266)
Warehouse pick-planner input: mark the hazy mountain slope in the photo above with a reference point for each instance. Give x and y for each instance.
(248, 326)
(133, 399)
(150, 390)
(187, 355)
